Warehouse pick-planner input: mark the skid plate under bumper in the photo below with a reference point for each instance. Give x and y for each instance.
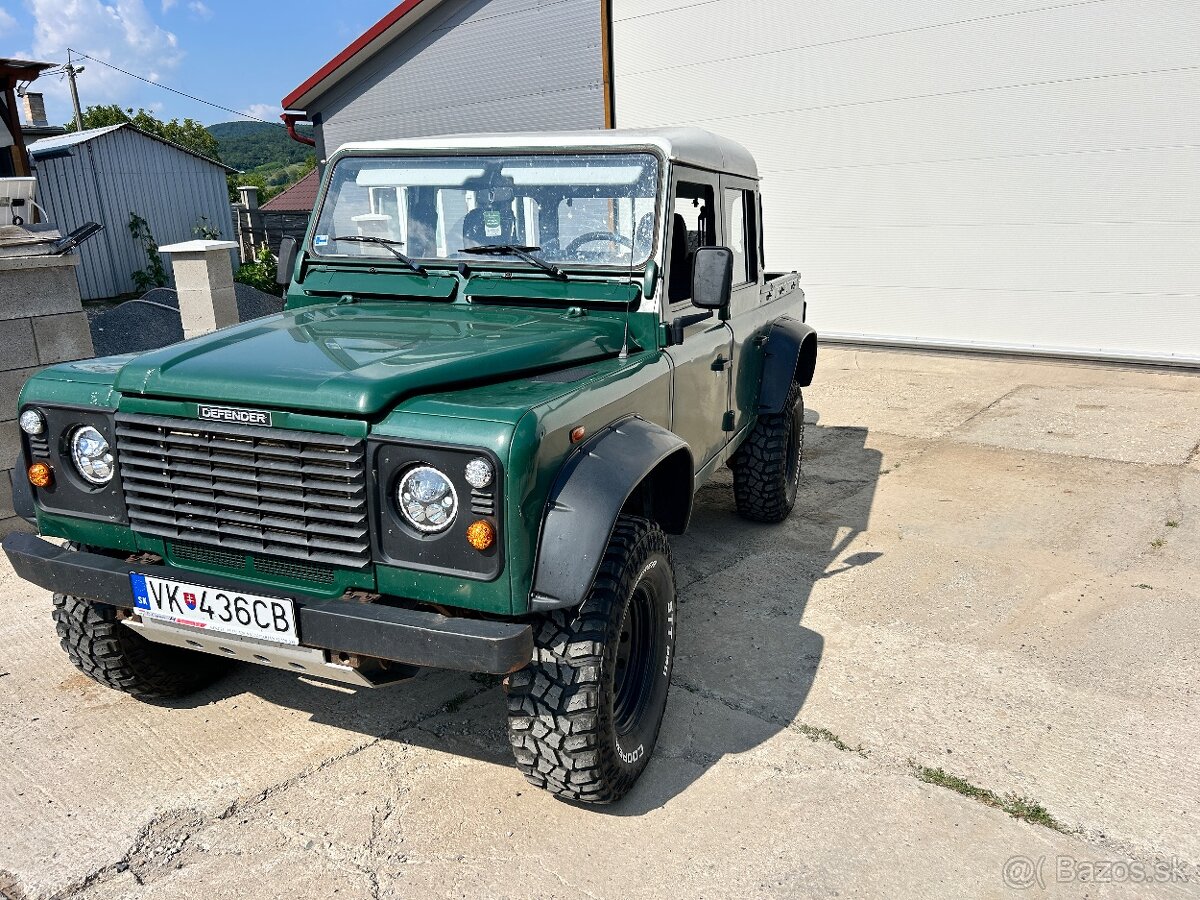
(410, 636)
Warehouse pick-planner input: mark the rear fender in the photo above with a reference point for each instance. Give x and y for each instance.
(789, 355)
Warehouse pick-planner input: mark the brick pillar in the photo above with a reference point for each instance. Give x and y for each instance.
(204, 281)
(41, 323)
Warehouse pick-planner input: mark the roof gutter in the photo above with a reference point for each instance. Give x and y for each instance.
(290, 120)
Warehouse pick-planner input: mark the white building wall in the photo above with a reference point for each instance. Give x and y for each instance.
(1016, 174)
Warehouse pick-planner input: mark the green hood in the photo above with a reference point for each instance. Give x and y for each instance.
(362, 359)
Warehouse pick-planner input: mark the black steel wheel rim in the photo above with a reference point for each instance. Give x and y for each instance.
(637, 652)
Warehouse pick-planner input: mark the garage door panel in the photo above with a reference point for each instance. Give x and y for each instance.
(1082, 258)
(995, 193)
(640, 24)
(983, 55)
(1086, 118)
(1152, 327)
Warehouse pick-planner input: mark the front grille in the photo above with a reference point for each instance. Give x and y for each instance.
(292, 494)
(208, 556)
(264, 565)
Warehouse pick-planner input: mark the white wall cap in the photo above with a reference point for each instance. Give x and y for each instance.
(198, 246)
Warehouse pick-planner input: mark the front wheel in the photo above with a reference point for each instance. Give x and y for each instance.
(584, 715)
(117, 657)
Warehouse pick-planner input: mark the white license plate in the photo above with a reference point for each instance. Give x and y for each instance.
(213, 609)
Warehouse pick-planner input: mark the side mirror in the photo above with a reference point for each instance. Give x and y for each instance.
(287, 261)
(712, 277)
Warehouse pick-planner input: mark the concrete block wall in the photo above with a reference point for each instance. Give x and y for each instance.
(41, 323)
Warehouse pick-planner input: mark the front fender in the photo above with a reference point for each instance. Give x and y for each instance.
(789, 355)
(592, 488)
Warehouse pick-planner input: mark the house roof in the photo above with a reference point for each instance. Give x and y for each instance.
(22, 69)
(379, 35)
(300, 197)
(64, 142)
(691, 146)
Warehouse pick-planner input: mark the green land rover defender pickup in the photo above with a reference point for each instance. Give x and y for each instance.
(505, 365)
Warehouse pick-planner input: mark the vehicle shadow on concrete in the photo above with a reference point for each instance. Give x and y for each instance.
(744, 588)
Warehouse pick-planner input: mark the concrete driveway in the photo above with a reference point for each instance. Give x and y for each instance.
(987, 602)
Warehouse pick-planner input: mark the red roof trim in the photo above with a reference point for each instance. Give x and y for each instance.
(360, 44)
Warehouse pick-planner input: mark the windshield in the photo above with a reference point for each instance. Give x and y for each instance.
(582, 209)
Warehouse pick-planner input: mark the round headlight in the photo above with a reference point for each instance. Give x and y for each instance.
(32, 422)
(427, 499)
(92, 455)
(478, 473)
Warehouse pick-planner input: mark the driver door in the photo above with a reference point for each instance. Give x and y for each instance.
(702, 369)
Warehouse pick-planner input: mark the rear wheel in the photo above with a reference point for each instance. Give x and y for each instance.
(767, 466)
(583, 716)
(116, 656)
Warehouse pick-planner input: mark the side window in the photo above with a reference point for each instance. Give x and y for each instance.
(741, 234)
(762, 253)
(736, 236)
(693, 225)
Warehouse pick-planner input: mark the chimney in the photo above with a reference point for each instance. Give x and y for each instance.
(35, 110)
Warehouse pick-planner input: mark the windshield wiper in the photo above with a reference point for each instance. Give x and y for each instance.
(387, 243)
(521, 253)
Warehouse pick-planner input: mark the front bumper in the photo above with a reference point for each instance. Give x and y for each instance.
(409, 636)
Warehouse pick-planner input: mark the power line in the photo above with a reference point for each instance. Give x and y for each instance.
(236, 112)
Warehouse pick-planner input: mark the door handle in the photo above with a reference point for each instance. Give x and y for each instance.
(720, 364)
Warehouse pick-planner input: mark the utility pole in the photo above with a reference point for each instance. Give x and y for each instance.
(71, 71)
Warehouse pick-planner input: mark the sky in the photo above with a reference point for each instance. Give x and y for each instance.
(242, 55)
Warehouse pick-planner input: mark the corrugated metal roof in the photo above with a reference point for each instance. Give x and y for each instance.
(300, 197)
(46, 146)
(70, 139)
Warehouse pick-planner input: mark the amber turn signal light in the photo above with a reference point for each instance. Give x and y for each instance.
(481, 535)
(40, 475)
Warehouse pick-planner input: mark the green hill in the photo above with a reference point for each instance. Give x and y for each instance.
(265, 153)
(257, 145)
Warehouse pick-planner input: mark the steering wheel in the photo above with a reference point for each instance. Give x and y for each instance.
(592, 236)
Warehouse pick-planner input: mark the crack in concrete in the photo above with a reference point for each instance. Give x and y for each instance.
(812, 732)
(199, 821)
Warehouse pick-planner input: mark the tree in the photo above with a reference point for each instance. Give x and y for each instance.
(187, 133)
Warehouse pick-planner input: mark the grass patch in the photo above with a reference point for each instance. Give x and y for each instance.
(1018, 807)
(1158, 543)
(824, 734)
(1171, 523)
(1145, 587)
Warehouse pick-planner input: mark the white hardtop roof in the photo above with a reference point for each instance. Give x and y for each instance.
(691, 146)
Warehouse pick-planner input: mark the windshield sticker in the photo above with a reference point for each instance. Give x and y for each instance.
(491, 223)
(320, 240)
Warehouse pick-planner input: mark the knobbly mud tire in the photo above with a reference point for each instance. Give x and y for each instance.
(766, 467)
(584, 715)
(116, 656)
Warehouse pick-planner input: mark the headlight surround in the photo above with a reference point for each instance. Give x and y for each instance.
(92, 455)
(426, 499)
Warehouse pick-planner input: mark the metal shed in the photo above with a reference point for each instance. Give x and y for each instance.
(105, 174)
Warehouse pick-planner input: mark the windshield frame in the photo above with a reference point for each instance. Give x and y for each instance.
(491, 263)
